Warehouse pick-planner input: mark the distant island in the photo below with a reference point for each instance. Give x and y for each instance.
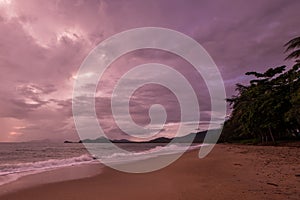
(198, 138)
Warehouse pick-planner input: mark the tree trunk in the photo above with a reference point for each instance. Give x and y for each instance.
(271, 134)
(265, 137)
(262, 137)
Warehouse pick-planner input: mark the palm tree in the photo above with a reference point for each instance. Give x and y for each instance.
(293, 46)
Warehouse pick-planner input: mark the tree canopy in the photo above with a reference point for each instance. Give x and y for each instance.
(269, 107)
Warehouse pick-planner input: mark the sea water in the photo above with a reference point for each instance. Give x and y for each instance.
(20, 159)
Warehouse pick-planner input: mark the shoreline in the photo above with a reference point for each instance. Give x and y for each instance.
(56, 175)
(228, 172)
(68, 173)
(72, 172)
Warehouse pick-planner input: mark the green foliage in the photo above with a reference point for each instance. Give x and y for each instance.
(269, 107)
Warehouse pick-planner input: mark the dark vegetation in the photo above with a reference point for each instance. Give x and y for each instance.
(268, 109)
(195, 137)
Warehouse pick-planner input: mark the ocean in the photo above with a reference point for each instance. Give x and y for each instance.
(21, 159)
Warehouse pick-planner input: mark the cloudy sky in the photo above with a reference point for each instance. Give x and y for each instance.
(43, 44)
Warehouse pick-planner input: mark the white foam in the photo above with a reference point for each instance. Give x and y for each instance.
(158, 150)
(11, 172)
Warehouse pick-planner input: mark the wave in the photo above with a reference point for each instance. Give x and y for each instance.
(11, 172)
(153, 152)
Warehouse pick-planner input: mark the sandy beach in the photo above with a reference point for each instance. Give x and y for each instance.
(229, 172)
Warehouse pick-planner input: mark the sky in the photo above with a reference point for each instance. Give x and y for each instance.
(43, 44)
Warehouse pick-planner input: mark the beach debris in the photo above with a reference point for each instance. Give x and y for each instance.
(237, 164)
(272, 184)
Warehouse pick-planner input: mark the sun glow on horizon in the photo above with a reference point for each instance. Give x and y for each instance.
(13, 133)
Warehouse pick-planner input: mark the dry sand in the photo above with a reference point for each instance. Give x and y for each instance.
(228, 172)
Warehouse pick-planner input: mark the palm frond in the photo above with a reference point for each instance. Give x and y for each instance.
(295, 54)
(292, 44)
